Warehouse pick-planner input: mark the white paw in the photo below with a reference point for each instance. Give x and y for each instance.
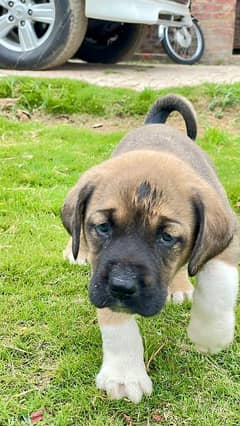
(211, 335)
(119, 383)
(180, 296)
(67, 255)
(81, 260)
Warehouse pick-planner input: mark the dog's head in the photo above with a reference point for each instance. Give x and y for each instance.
(141, 224)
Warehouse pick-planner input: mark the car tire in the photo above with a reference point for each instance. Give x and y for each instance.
(46, 43)
(96, 49)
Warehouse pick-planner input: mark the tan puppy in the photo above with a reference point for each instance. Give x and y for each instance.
(153, 209)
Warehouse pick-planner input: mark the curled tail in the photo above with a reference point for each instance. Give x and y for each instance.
(163, 107)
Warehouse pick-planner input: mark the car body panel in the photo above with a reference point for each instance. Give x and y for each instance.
(141, 11)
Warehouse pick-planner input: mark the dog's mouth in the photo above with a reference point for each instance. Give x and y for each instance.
(145, 301)
(127, 288)
(146, 306)
(152, 307)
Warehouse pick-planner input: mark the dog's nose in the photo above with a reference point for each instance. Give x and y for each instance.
(122, 282)
(122, 287)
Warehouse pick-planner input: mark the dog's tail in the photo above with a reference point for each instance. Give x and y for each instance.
(163, 107)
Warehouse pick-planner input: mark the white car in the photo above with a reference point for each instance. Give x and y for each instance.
(41, 34)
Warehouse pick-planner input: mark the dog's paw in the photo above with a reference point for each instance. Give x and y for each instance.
(213, 335)
(67, 255)
(119, 384)
(180, 296)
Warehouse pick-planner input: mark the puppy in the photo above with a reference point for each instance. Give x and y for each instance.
(155, 209)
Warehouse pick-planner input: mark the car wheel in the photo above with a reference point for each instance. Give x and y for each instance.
(40, 34)
(109, 42)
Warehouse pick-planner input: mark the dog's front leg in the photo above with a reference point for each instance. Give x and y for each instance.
(82, 255)
(123, 372)
(212, 321)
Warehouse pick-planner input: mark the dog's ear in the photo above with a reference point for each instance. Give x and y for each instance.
(214, 229)
(78, 216)
(74, 208)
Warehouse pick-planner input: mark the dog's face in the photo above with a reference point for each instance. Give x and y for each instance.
(137, 238)
(140, 225)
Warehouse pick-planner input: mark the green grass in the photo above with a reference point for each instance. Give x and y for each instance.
(50, 344)
(69, 96)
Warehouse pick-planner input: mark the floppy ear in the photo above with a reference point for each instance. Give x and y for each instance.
(78, 217)
(74, 208)
(214, 228)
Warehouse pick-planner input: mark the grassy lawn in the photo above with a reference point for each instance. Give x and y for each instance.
(50, 345)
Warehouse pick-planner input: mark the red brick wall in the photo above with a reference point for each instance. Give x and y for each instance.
(236, 44)
(217, 20)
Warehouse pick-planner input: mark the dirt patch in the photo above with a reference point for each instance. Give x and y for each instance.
(228, 120)
(98, 124)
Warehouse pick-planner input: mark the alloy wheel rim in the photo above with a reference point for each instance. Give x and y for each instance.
(25, 24)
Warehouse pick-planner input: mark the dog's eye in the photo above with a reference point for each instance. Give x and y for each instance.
(166, 239)
(103, 229)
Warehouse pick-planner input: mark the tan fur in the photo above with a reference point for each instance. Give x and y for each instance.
(231, 254)
(115, 182)
(109, 198)
(82, 255)
(67, 252)
(180, 283)
(107, 317)
(157, 182)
